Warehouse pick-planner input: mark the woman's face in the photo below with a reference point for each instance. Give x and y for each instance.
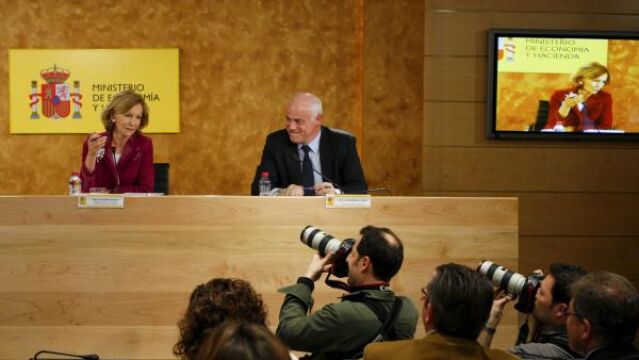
(128, 123)
(595, 85)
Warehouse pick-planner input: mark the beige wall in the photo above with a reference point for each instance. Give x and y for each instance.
(579, 202)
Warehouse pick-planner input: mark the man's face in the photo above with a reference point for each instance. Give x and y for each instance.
(353, 260)
(302, 128)
(574, 327)
(544, 306)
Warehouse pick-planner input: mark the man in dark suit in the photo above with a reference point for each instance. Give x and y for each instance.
(307, 158)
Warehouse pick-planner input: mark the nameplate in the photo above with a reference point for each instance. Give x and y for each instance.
(101, 202)
(348, 201)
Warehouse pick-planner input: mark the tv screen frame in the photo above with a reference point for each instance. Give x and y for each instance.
(546, 134)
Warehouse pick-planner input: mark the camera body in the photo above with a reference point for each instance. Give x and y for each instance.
(324, 244)
(522, 287)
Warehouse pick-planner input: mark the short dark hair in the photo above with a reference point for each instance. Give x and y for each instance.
(461, 299)
(241, 340)
(386, 256)
(611, 303)
(213, 303)
(565, 275)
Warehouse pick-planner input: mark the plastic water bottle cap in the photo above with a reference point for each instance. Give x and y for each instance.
(264, 173)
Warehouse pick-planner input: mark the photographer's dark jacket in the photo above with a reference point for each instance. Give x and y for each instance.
(552, 344)
(342, 327)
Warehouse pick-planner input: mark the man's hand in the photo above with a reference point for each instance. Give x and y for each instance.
(293, 190)
(317, 266)
(497, 310)
(324, 188)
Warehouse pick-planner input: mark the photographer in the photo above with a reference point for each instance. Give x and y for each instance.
(341, 330)
(549, 340)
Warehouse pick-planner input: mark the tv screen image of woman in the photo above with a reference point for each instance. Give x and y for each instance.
(584, 106)
(120, 159)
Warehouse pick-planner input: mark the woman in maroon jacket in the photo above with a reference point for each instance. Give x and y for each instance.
(121, 158)
(584, 106)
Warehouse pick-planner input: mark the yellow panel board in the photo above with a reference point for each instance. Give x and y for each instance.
(549, 55)
(65, 91)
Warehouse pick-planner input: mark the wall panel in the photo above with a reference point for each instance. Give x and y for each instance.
(536, 169)
(393, 106)
(578, 200)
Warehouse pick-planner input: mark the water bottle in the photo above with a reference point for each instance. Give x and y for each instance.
(75, 184)
(265, 184)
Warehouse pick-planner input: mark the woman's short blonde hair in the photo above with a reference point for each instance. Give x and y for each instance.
(120, 104)
(590, 71)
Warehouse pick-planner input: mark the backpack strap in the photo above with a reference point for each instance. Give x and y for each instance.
(386, 317)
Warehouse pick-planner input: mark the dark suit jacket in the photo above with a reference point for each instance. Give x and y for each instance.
(338, 155)
(133, 173)
(433, 346)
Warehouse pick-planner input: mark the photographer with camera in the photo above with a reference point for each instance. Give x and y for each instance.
(551, 298)
(370, 312)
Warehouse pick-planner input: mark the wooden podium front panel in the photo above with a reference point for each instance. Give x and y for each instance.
(116, 281)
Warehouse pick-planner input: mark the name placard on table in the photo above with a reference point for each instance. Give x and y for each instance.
(348, 201)
(100, 201)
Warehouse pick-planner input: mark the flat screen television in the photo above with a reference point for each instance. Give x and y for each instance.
(563, 84)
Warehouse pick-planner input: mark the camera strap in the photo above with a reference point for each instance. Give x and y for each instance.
(524, 330)
(337, 284)
(386, 317)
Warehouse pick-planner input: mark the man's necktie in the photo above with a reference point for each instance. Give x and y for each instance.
(308, 180)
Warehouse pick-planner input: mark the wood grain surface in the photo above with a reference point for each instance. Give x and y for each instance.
(115, 282)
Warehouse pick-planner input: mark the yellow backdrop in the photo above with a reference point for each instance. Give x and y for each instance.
(65, 91)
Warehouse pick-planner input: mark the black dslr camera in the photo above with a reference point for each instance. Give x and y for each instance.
(523, 287)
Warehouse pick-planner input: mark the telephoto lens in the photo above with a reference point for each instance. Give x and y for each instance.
(523, 287)
(325, 243)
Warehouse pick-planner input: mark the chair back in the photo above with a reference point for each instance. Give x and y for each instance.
(161, 178)
(542, 116)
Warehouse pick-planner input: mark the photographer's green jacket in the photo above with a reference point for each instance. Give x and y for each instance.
(342, 327)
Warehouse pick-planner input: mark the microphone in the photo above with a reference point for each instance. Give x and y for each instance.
(73, 356)
(297, 158)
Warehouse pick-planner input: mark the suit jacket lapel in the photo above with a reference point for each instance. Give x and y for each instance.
(129, 150)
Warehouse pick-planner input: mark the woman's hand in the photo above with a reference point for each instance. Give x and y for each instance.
(94, 145)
